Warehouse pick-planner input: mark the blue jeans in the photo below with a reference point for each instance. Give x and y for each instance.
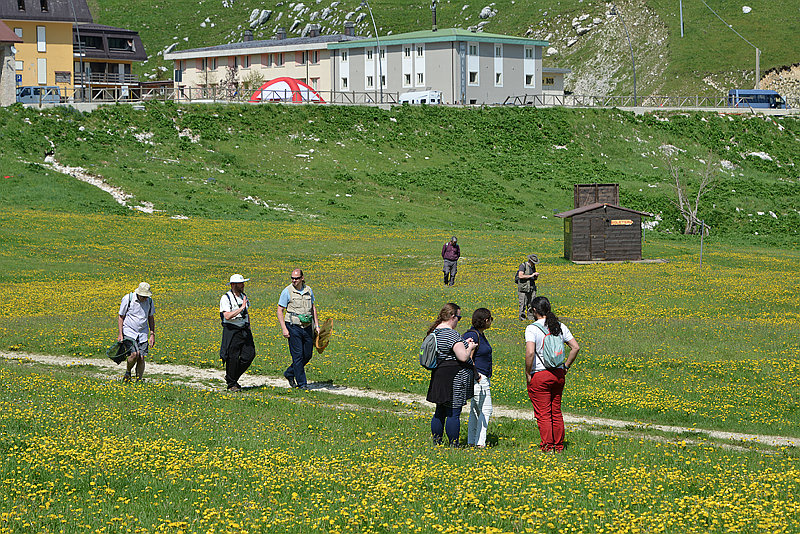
(446, 420)
(301, 347)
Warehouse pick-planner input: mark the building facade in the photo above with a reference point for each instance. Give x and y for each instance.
(44, 57)
(466, 67)
(250, 63)
(104, 56)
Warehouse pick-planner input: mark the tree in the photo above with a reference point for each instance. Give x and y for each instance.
(688, 203)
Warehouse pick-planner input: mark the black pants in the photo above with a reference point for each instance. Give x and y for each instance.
(237, 351)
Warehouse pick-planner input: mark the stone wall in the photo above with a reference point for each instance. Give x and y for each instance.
(8, 84)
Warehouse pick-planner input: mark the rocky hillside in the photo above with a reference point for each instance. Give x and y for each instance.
(587, 36)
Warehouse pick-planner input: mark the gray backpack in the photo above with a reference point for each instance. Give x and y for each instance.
(429, 352)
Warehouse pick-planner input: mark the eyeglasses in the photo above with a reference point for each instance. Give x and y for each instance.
(297, 278)
(458, 317)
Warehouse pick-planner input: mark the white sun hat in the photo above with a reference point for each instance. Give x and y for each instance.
(238, 279)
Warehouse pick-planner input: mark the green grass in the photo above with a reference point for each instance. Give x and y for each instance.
(81, 454)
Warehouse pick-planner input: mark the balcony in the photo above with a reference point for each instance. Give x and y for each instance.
(106, 78)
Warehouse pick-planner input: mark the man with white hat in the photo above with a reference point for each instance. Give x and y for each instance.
(237, 349)
(526, 286)
(136, 317)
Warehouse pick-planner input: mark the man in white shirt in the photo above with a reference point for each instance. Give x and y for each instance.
(136, 318)
(237, 349)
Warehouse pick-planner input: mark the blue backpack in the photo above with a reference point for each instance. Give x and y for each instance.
(552, 355)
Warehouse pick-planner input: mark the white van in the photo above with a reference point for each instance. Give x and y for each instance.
(421, 97)
(37, 94)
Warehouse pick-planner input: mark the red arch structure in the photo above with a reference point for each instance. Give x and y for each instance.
(286, 90)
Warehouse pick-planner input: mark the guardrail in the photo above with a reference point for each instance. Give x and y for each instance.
(136, 93)
(626, 101)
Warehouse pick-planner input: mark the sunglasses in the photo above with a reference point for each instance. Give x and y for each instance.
(297, 277)
(458, 317)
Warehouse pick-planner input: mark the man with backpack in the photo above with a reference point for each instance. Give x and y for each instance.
(526, 286)
(135, 319)
(237, 349)
(450, 254)
(297, 317)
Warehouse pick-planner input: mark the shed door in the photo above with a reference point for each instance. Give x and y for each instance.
(597, 238)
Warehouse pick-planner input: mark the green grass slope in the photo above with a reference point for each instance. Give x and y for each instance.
(505, 169)
(709, 59)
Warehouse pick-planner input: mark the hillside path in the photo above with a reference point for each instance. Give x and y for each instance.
(200, 377)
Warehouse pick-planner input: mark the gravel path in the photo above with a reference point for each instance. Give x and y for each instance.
(199, 377)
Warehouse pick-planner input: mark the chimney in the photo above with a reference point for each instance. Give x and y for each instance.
(248, 35)
(280, 33)
(350, 28)
(433, 13)
(313, 31)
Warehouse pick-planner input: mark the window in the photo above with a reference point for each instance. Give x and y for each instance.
(473, 50)
(315, 57)
(41, 41)
(548, 81)
(63, 76)
(245, 62)
(279, 59)
(528, 53)
(21, 5)
(369, 54)
(43, 5)
(266, 60)
(116, 43)
(344, 55)
(18, 31)
(301, 58)
(407, 79)
(383, 53)
(213, 63)
(91, 42)
(344, 83)
(383, 80)
(41, 71)
(315, 83)
(419, 51)
(473, 77)
(370, 81)
(498, 78)
(18, 65)
(529, 79)
(407, 51)
(420, 78)
(498, 51)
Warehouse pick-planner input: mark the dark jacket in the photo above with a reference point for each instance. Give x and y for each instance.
(451, 251)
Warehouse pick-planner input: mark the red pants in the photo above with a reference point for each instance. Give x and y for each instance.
(545, 389)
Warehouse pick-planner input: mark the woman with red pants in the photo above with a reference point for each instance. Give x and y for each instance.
(546, 384)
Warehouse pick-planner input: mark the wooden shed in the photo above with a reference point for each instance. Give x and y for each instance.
(602, 232)
(586, 194)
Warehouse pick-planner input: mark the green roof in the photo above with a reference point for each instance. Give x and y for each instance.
(443, 35)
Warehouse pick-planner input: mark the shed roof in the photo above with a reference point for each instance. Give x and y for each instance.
(443, 35)
(596, 205)
(7, 35)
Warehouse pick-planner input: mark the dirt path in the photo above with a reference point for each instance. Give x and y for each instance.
(203, 378)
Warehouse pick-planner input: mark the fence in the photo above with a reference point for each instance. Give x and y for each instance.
(652, 101)
(136, 93)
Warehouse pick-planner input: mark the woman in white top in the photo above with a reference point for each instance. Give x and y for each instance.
(546, 384)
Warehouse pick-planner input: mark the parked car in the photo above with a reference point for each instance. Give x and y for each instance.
(421, 97)
(39, 94)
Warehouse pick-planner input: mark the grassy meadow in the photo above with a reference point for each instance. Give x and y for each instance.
(365, 215)
(166, 459)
